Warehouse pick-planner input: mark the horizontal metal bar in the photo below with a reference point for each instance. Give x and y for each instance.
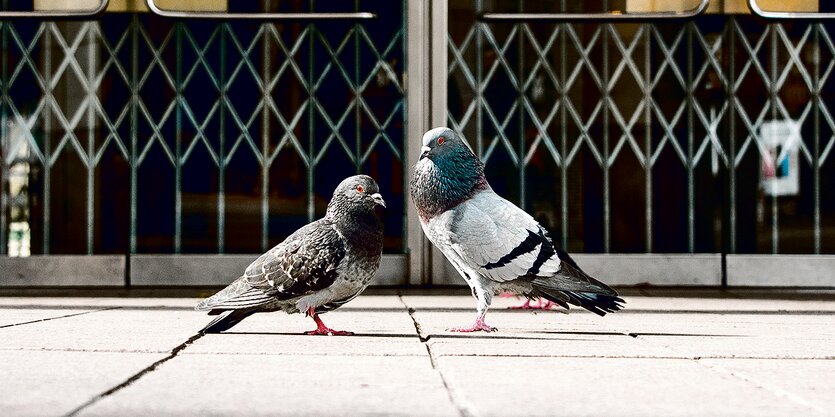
(63, 271)
(56, 14)
(768, 14)
(176, 270)
(781, 270)
(263, 16)
(594, 17)
(635, 269)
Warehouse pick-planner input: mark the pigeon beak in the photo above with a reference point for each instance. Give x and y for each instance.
(424, 152)
(378, 199)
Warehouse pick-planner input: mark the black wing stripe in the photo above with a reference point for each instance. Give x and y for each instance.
(546, 251)
(527, 245)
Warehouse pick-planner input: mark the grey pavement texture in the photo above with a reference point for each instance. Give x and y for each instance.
(694, 353)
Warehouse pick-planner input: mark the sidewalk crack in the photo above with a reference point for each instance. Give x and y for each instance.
(58, 317)
(463, 410)
(174, 353)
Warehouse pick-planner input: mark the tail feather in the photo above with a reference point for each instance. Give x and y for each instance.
(599, 304)
(238, 295)
(226, 320)
(573, 286)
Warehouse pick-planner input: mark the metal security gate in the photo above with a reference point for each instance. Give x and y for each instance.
(653, 133)
(669, 148)
(159, 141)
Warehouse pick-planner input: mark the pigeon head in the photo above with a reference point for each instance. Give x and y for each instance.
(442, 145)
(447, 173)
(355, 195)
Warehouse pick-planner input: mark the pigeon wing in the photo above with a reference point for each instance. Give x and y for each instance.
(499, 240)
(305, 262)
(502, 242)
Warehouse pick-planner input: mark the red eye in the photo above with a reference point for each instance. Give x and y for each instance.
(360, 189)
(441, 140)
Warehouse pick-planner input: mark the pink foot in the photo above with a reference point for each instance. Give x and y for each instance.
(321, 329)
(479, 325)
(506, 294)
(539, 305)
(324, 331)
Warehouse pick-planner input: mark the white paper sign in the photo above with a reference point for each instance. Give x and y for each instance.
(779, 169)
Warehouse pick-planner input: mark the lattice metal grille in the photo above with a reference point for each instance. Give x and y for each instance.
(649, 137)
(142, 134)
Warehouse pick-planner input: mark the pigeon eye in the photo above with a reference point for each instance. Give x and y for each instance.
(441, 140)
(360, 189)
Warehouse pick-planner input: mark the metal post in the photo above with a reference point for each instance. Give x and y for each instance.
(4, 143)
(648, 138)
(418, 119)
(816, 163)
(564, 134)
(178, 166)
(91, 134)
(265, 159)
(520, 97)
(134, 123)
(731, 209)
(221, 155)
(311, 125)
(606, 93)
(47, 142)
(479, 75)
(691, 199)
(773, 107)
(357, 94)
(439, 68)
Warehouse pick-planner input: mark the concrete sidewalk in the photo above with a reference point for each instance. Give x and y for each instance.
(662, 356)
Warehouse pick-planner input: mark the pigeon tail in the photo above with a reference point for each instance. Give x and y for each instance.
(226, 320)
(599, 304)
(587, 292)
(237, 295)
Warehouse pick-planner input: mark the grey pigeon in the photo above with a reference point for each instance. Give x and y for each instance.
(316, 269)
(493, 244)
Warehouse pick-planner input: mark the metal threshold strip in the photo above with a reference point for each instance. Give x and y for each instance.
(178, 14)
(56, 14)
(148, 270)
(594, 17)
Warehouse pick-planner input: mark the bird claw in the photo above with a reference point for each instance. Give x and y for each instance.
(329, 332)
(479, 325)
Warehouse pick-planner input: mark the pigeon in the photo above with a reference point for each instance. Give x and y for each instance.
(316, 269)
(492, 243)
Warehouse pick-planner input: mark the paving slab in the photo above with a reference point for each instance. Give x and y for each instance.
(38, 383)
(110, 330)
(605, 386)
(253, 385)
